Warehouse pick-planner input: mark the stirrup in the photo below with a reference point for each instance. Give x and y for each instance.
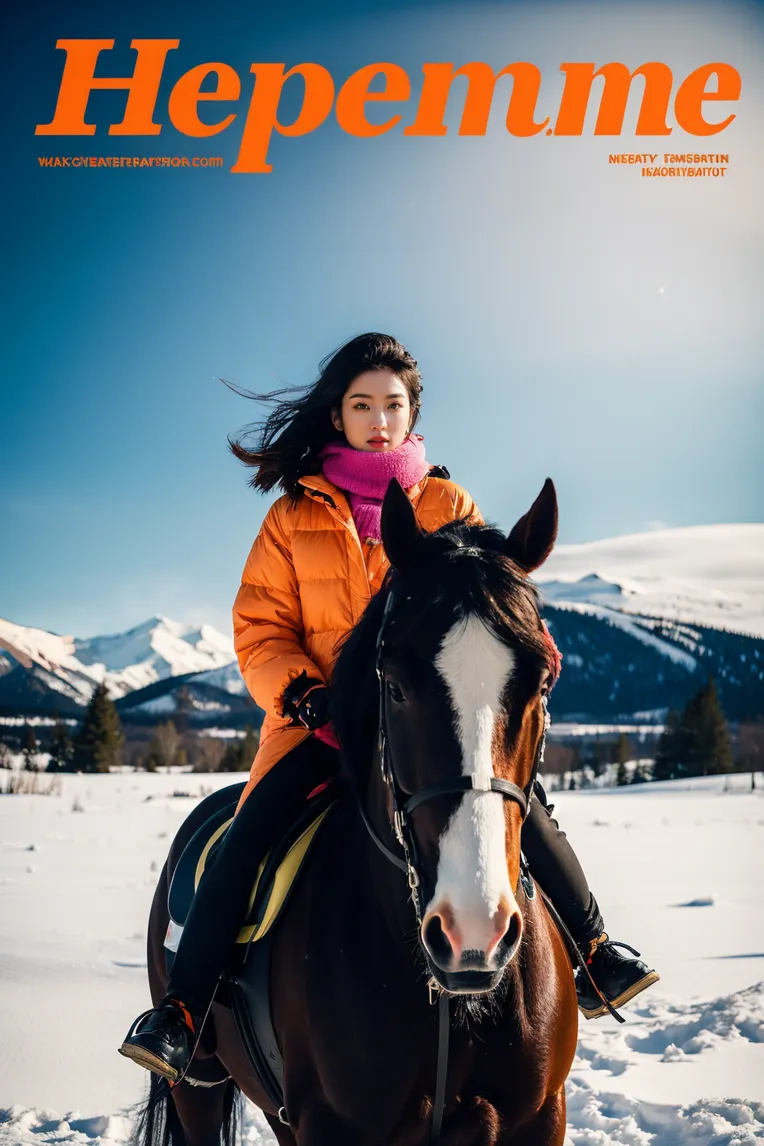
(624, 997)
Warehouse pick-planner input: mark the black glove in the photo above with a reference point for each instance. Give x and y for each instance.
(307, 702)
(313, 710)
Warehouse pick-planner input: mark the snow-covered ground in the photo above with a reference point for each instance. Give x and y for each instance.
(676, 867)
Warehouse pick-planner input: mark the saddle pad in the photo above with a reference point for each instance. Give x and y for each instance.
(275, 878)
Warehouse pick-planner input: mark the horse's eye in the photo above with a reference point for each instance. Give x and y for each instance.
(395, 692)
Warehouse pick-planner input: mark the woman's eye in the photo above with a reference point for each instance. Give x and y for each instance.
(546, 684)
(395, 692)
(360, 406)
(395, 405)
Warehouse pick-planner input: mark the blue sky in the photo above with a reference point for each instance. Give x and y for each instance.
(570, 318)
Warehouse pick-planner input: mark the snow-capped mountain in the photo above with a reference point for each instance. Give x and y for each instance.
(35, 661)
(711, 575)
(641, 622)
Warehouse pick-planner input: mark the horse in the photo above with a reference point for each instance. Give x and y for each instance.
(413, 889)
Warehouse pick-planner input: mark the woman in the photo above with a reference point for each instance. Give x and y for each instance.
(311, 572)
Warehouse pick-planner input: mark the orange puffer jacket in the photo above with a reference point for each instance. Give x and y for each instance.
(307, 580)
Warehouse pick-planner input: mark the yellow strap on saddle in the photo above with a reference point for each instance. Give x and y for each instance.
(286, 873)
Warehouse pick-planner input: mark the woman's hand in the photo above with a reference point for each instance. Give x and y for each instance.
(313, 709)
(307, 702)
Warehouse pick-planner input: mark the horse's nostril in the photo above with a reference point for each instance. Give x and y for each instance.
(514, 930)
(436, 941)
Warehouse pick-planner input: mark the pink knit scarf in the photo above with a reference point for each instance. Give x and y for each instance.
(365, 476)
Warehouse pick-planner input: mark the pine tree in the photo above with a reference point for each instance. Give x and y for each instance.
(670, 752)
(707, 741)
(720, 756)
(690, 726)
(597, 758)
(29, 748)
(621, 775)
(61, 748)
(99, 739)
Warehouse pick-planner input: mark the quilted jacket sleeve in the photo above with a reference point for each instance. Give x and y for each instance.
(267, 617)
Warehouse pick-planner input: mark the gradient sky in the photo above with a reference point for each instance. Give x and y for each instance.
(570, 318)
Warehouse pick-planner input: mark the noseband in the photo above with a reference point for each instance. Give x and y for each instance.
(403, 806)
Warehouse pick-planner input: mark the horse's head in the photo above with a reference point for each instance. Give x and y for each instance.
(465, 665)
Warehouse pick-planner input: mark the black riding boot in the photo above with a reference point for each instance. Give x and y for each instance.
(163, 1040)
(556, 867)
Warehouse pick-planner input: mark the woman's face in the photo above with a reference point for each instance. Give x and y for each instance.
(375, 412)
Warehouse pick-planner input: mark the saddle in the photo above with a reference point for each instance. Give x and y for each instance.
(246, 981)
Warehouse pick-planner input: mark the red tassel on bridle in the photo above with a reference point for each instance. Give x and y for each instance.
(555, 656)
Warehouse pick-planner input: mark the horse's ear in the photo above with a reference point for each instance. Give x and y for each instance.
(401, 534)
(532, 538)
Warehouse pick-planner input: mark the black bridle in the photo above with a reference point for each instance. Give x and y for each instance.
(403, 804)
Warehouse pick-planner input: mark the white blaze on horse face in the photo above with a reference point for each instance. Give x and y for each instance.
(472, 877)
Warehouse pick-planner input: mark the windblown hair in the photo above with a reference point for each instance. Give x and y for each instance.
(287, 444)
(464, 571)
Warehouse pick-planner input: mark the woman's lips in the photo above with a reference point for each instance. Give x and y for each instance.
(377, 441)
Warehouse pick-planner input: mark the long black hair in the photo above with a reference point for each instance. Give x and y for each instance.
(288, 442)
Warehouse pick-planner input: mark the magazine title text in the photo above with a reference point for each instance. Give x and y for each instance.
(709, 83)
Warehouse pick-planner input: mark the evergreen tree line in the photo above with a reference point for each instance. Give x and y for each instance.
(169, 748)
(99, 742)
(695, 742)
(578, 767)
(639, 773)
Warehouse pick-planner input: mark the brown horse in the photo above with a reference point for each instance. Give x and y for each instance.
(439, 703)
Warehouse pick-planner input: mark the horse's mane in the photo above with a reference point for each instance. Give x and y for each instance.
(463, 570)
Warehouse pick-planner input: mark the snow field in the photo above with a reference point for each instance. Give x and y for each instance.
(675, 867)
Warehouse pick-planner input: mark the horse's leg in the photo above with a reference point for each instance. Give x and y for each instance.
(202, 1113)
(546, 1129)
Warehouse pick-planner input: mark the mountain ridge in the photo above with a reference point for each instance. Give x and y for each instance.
(638, 633)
